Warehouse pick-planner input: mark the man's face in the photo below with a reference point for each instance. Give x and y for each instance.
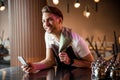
(50, 22)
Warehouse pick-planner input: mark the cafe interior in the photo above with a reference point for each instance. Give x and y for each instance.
(22, 34)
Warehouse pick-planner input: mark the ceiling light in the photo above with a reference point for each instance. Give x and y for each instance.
(96, 1)
(86, 12)
(77, 4)
(56, 2)
(2, 6)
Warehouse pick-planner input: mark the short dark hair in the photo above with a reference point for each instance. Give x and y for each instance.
(53, 10)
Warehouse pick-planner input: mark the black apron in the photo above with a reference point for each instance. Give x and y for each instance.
(70, 53)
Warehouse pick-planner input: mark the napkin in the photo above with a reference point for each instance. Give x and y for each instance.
(65, 39)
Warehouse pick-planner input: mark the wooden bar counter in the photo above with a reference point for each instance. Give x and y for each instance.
(16, 73)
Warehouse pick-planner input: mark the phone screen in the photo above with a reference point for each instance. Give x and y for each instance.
(22, 60)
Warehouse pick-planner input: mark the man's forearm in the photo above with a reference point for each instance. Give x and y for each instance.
(44, 64)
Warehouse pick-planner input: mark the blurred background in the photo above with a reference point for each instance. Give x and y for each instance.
(94, 21)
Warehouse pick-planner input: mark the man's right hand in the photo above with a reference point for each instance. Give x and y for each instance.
(29, 68)
(26, 68)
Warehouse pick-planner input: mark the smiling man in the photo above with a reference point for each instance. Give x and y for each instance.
(64, 48)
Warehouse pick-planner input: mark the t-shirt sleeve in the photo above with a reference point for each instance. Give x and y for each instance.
(84, 51)
(80, 45)
(47, 40)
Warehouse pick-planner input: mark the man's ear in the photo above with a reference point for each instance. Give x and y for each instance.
(60, 20)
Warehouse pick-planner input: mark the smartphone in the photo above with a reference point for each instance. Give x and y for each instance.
(22, 60)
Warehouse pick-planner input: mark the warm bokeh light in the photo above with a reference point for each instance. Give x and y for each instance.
(56, 2)
(96, 1)
(77, 5)
(86, 14)
(2, 8)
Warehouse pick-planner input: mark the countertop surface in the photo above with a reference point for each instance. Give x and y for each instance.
(16, 73)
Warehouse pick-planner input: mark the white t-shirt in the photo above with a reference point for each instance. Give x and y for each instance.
(78, 44)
